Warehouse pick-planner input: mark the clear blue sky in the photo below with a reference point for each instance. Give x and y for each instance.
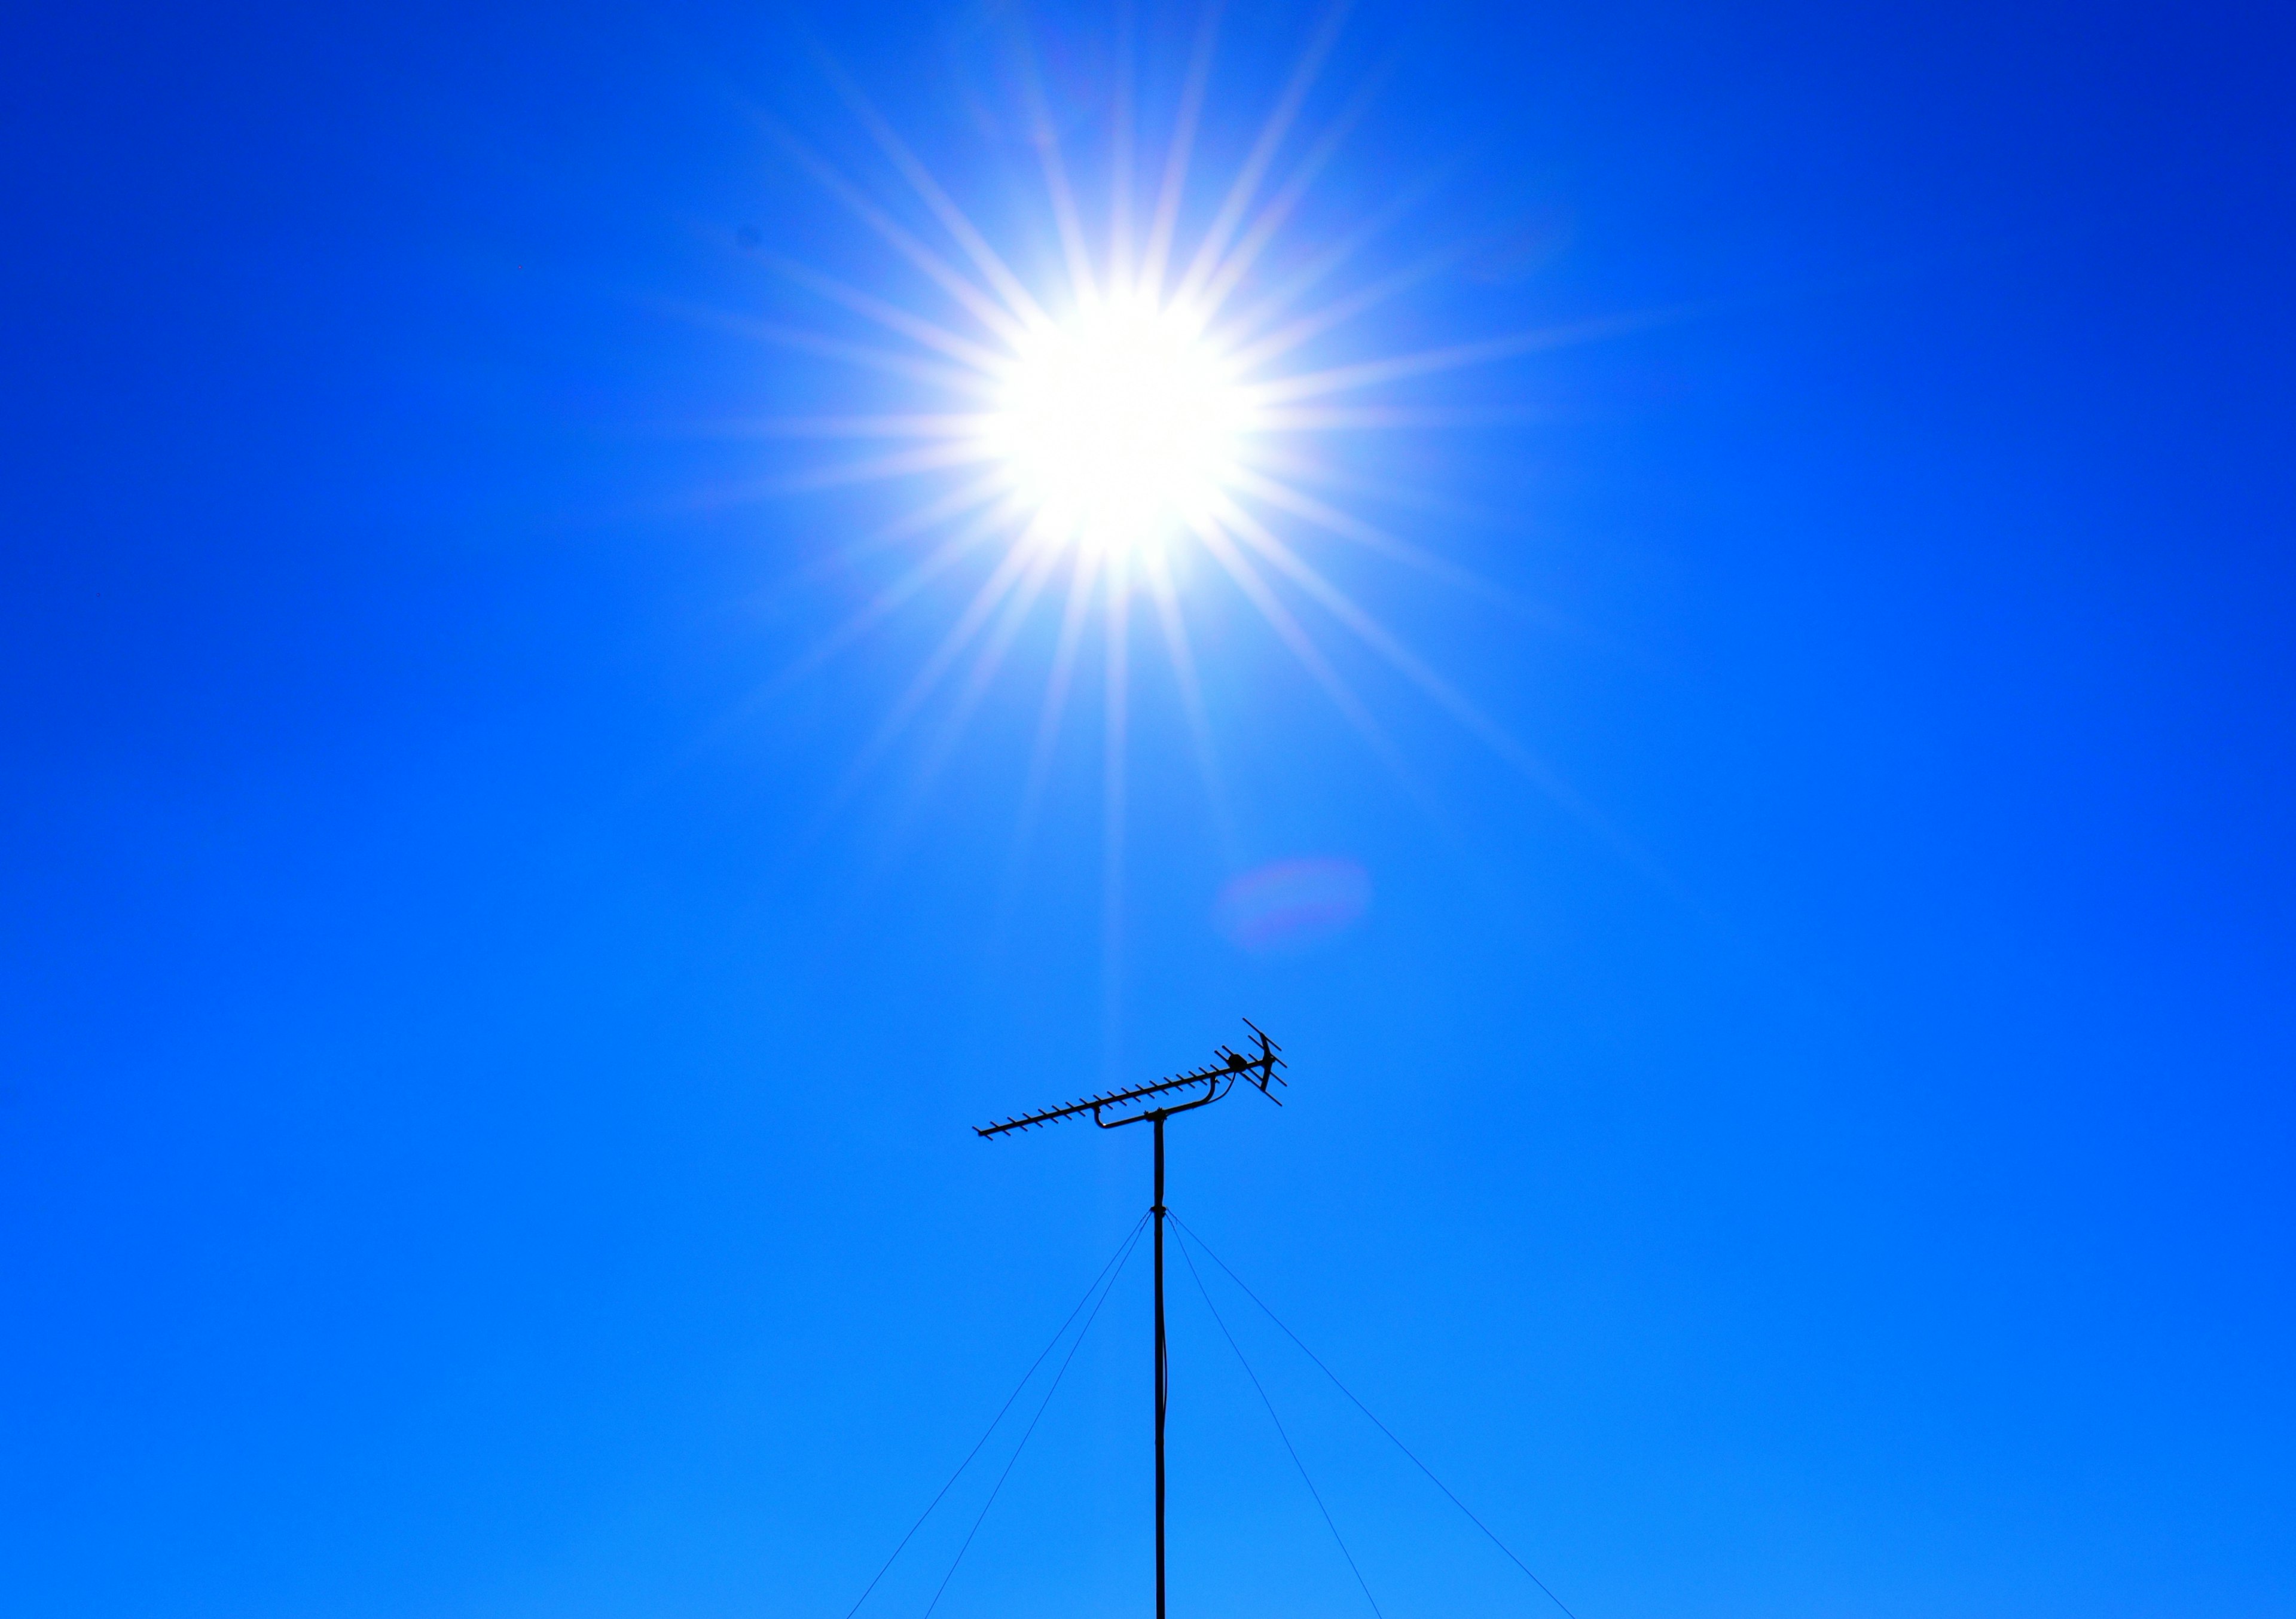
(485, 1082)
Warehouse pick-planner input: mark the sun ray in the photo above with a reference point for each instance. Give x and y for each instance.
(985, 361)
(931, 426)
(987, 663)
(1326, 263)
(950, 552)
(1115, 724)
(1457, 704)
(989, 490)
(864, 355)
(1339, 311)
(1247, 180)
(883, 469)
(1301, 645)
(1083, 284)
(949, 733)
(1369, 374)
(1300, 503)
(1276, 456)
(1181, 654)
(992, 264)
(1332, 521)
(1085, 568)
(1119, 157)
(913, 579)
(1232, 269)
(943, 274)
(977, 613)
(877, 469)
(1154, 263)
(1392, 418)
(1376, 635)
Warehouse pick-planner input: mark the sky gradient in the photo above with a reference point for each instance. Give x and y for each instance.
(1793, 1118)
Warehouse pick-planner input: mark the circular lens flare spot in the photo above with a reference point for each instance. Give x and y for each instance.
(1292, 904)
(1119, 425)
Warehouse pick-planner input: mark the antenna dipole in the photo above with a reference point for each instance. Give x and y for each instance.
(1197, 1087)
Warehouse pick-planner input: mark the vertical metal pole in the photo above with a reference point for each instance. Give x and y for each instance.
(1163, 1367)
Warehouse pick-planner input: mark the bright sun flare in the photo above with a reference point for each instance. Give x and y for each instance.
(1157, 417)
(1119, 426)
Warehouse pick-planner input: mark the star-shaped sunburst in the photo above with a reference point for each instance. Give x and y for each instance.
(1150, 400)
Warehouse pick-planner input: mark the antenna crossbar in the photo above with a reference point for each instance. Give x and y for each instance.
(1227, 1065)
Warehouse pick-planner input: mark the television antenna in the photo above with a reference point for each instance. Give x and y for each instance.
(1153, 1104)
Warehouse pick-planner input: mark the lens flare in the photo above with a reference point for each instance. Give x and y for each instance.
(1119, 426)
(1292, 904)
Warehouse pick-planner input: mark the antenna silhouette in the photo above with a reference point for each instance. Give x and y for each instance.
(1169, 1096)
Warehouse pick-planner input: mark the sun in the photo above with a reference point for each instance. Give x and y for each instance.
(1119, 426)
(1167, 401)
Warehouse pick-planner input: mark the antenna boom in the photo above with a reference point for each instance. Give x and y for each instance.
(1217, 1076)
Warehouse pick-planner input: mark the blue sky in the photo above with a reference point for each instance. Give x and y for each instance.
(1791, 1118)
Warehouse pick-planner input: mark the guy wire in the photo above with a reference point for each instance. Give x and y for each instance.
(1280, 1431)
(1122, 1249)
(1013, 1460)
(1376, 1423)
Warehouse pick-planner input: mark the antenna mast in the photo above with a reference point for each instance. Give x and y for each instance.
(1197, 1087)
